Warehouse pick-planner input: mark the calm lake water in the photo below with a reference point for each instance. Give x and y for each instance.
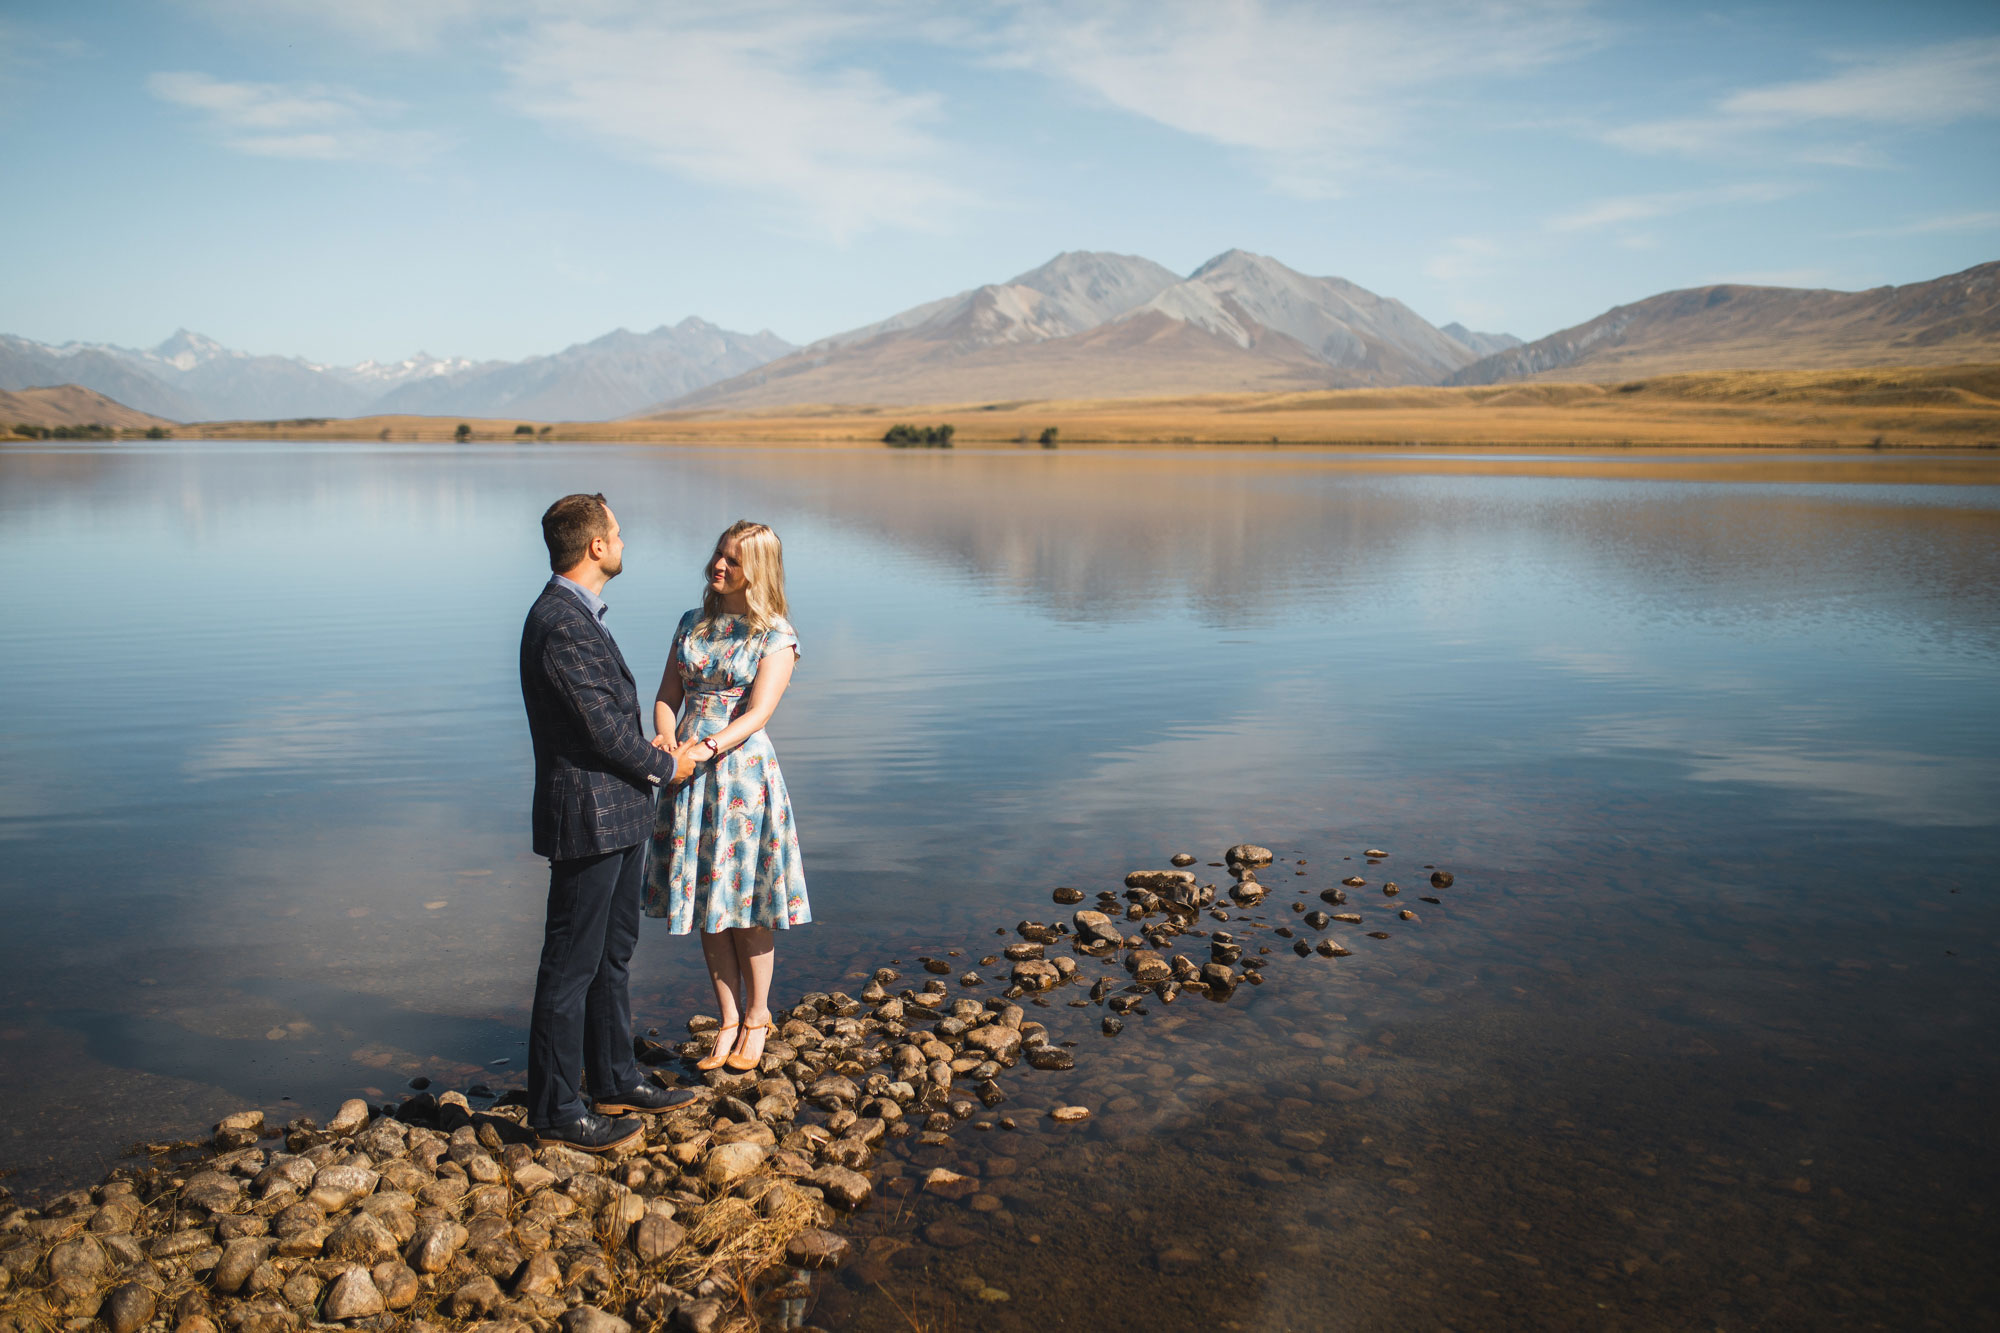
(1703, 1035)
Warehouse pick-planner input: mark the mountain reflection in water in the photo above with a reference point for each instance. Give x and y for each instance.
(1704, 1030)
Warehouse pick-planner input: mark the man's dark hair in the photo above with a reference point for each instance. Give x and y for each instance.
(570, 525)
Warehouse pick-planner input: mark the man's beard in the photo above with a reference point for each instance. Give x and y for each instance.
(613, 571)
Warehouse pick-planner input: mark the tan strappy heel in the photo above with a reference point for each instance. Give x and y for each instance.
(737, 1062)
(719, 1056)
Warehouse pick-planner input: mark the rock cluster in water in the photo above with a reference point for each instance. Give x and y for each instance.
(427, 1215)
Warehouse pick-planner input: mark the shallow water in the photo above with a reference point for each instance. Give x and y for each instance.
(1703, 1034)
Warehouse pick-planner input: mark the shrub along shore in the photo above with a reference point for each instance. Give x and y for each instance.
(1875, 408)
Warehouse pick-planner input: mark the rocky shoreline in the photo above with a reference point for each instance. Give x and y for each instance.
(433, 1215)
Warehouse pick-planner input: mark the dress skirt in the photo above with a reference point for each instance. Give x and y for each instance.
(725, 851)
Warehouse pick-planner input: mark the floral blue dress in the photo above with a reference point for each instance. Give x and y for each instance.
(725, 854)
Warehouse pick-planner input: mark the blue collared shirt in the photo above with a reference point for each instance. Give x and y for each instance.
(590, 599)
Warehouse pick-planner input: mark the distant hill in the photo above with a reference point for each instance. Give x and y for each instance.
(25, 364)
(1480, 344)
(1944, 321)
(610, 377)
(70, 405)
(190, 377)
(1108, 325)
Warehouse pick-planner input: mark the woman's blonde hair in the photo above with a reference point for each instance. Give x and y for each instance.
(763, 571)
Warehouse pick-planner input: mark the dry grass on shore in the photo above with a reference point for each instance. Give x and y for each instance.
(1947, 407)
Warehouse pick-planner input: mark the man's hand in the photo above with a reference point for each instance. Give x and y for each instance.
(685, 759)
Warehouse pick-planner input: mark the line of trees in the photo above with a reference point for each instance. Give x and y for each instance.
(902, 436)
(93, 431)
(521, 432)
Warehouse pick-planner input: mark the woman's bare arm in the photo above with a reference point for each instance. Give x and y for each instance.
(773, 674)
(667, 702)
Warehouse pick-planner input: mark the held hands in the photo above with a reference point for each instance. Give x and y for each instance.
(685, 759)
(685, 756)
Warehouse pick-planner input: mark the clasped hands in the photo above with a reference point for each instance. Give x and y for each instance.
(686, 756)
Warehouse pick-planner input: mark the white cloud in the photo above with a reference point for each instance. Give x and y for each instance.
(304, 121)
(746, 96)
(1463, 257)
(1314, 91)
(395, 25)
(1934, 85)
(1644, 207)
(1949, 222)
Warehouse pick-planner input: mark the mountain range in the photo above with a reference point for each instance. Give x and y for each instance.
(1091, 324)
(193, 378)
(1729, 326)
(1086, 324)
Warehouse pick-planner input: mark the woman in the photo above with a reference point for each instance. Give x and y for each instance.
(726, 860)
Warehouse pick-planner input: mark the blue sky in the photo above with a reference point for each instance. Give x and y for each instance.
(497, 178)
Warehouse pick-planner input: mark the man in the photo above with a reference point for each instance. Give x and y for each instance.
(596, 780)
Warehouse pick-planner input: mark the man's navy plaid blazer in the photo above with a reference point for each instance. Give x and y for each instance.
(596, 775)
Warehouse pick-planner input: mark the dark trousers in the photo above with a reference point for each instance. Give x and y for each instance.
(581, 1025)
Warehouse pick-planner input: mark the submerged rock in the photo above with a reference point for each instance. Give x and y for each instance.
(817, 1248)
(1160, 880)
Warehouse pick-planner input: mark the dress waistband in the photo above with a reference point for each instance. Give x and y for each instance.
(717, 691)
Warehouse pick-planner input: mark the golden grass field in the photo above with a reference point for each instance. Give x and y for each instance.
(1944, 407)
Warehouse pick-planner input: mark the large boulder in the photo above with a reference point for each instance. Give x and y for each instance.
(842, 1187)
(362, 1239)
(995, 1040)
(351, 1118)
(1035, 974)
(590, 1319)
(815, 1247)
(354, 1296)
(729, 1162)
(1096, 927)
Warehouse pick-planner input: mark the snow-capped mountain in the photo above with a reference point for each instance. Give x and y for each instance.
(192, 377)
(386, 375)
